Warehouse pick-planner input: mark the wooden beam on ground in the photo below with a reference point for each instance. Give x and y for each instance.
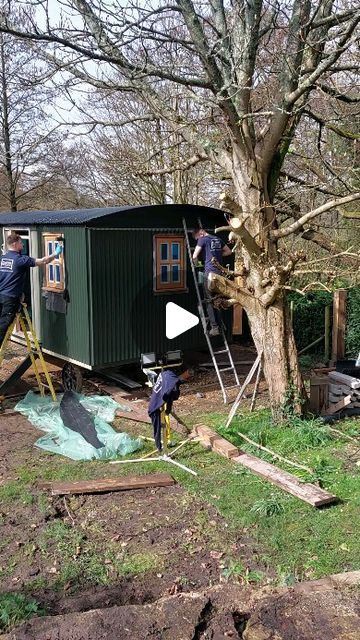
(307, 492)
(107, 485)
(339, 325)
(212, 440)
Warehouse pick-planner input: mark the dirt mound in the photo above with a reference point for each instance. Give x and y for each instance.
(327, 615)
(177, 618)
(223, 612)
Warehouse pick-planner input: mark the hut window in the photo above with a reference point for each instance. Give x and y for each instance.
(169, 263)
(54, 272)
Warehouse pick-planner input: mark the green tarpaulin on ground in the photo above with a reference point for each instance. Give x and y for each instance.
(44, 414)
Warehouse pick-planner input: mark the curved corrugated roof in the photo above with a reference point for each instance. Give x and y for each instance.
(82, 216)
(61, 216)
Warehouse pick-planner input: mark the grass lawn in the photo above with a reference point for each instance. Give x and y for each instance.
(294, 540)
(290, 540)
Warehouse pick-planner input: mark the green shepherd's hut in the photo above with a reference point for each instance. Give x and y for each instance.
(102, 303)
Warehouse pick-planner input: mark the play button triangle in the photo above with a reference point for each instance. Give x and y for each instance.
(178, 320)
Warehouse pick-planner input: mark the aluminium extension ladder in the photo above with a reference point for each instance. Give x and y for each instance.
(224, 350)
(33, 349)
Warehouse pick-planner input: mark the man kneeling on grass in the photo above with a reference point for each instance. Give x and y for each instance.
(166, 390)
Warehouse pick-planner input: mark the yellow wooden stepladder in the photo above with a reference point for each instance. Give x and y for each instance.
(33, 349)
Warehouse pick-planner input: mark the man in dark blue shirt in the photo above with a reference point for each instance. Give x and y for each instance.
(210, 247)
(166, 390)
(13, 268)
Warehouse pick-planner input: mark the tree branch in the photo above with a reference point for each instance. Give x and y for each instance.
(327, 62)
(184, 166)
(287, 231)
(315, 187)
(229, 289)
(236, 226)
(114, 57)
(340, 132)
(333, 20)
(335, 93)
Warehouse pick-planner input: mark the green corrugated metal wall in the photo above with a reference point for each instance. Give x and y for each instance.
(127, 317)
(69, 335)
(113, 315)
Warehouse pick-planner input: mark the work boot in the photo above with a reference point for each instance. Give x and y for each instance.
(214, 331)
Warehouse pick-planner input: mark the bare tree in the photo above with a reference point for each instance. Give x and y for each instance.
(252, 68)
(68, 179)
(131, 148)
(25, 123)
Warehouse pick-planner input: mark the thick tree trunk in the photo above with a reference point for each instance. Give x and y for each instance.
(273, 336)
(262, 292)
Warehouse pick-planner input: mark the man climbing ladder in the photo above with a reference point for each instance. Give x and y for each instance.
(218, 334)
(210, 247)
(13, 269)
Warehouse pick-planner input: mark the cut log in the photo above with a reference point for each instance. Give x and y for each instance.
(107, 485)
(307, 492)
(225, 448)
(344, 402)
(336, 398)
(338, 389)
(205, 434)
(342, 378)
(220, 445)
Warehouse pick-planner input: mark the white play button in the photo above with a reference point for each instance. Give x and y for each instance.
(178, 320)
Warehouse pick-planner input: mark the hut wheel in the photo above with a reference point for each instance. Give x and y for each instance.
(72, 377)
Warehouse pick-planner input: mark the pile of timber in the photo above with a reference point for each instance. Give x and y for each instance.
(333, 393)
(344, 392)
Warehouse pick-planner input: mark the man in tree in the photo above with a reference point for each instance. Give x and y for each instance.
(210, 247)
(13, 268)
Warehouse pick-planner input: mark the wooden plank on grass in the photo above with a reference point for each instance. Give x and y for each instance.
(107, 485)
(307, 492)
